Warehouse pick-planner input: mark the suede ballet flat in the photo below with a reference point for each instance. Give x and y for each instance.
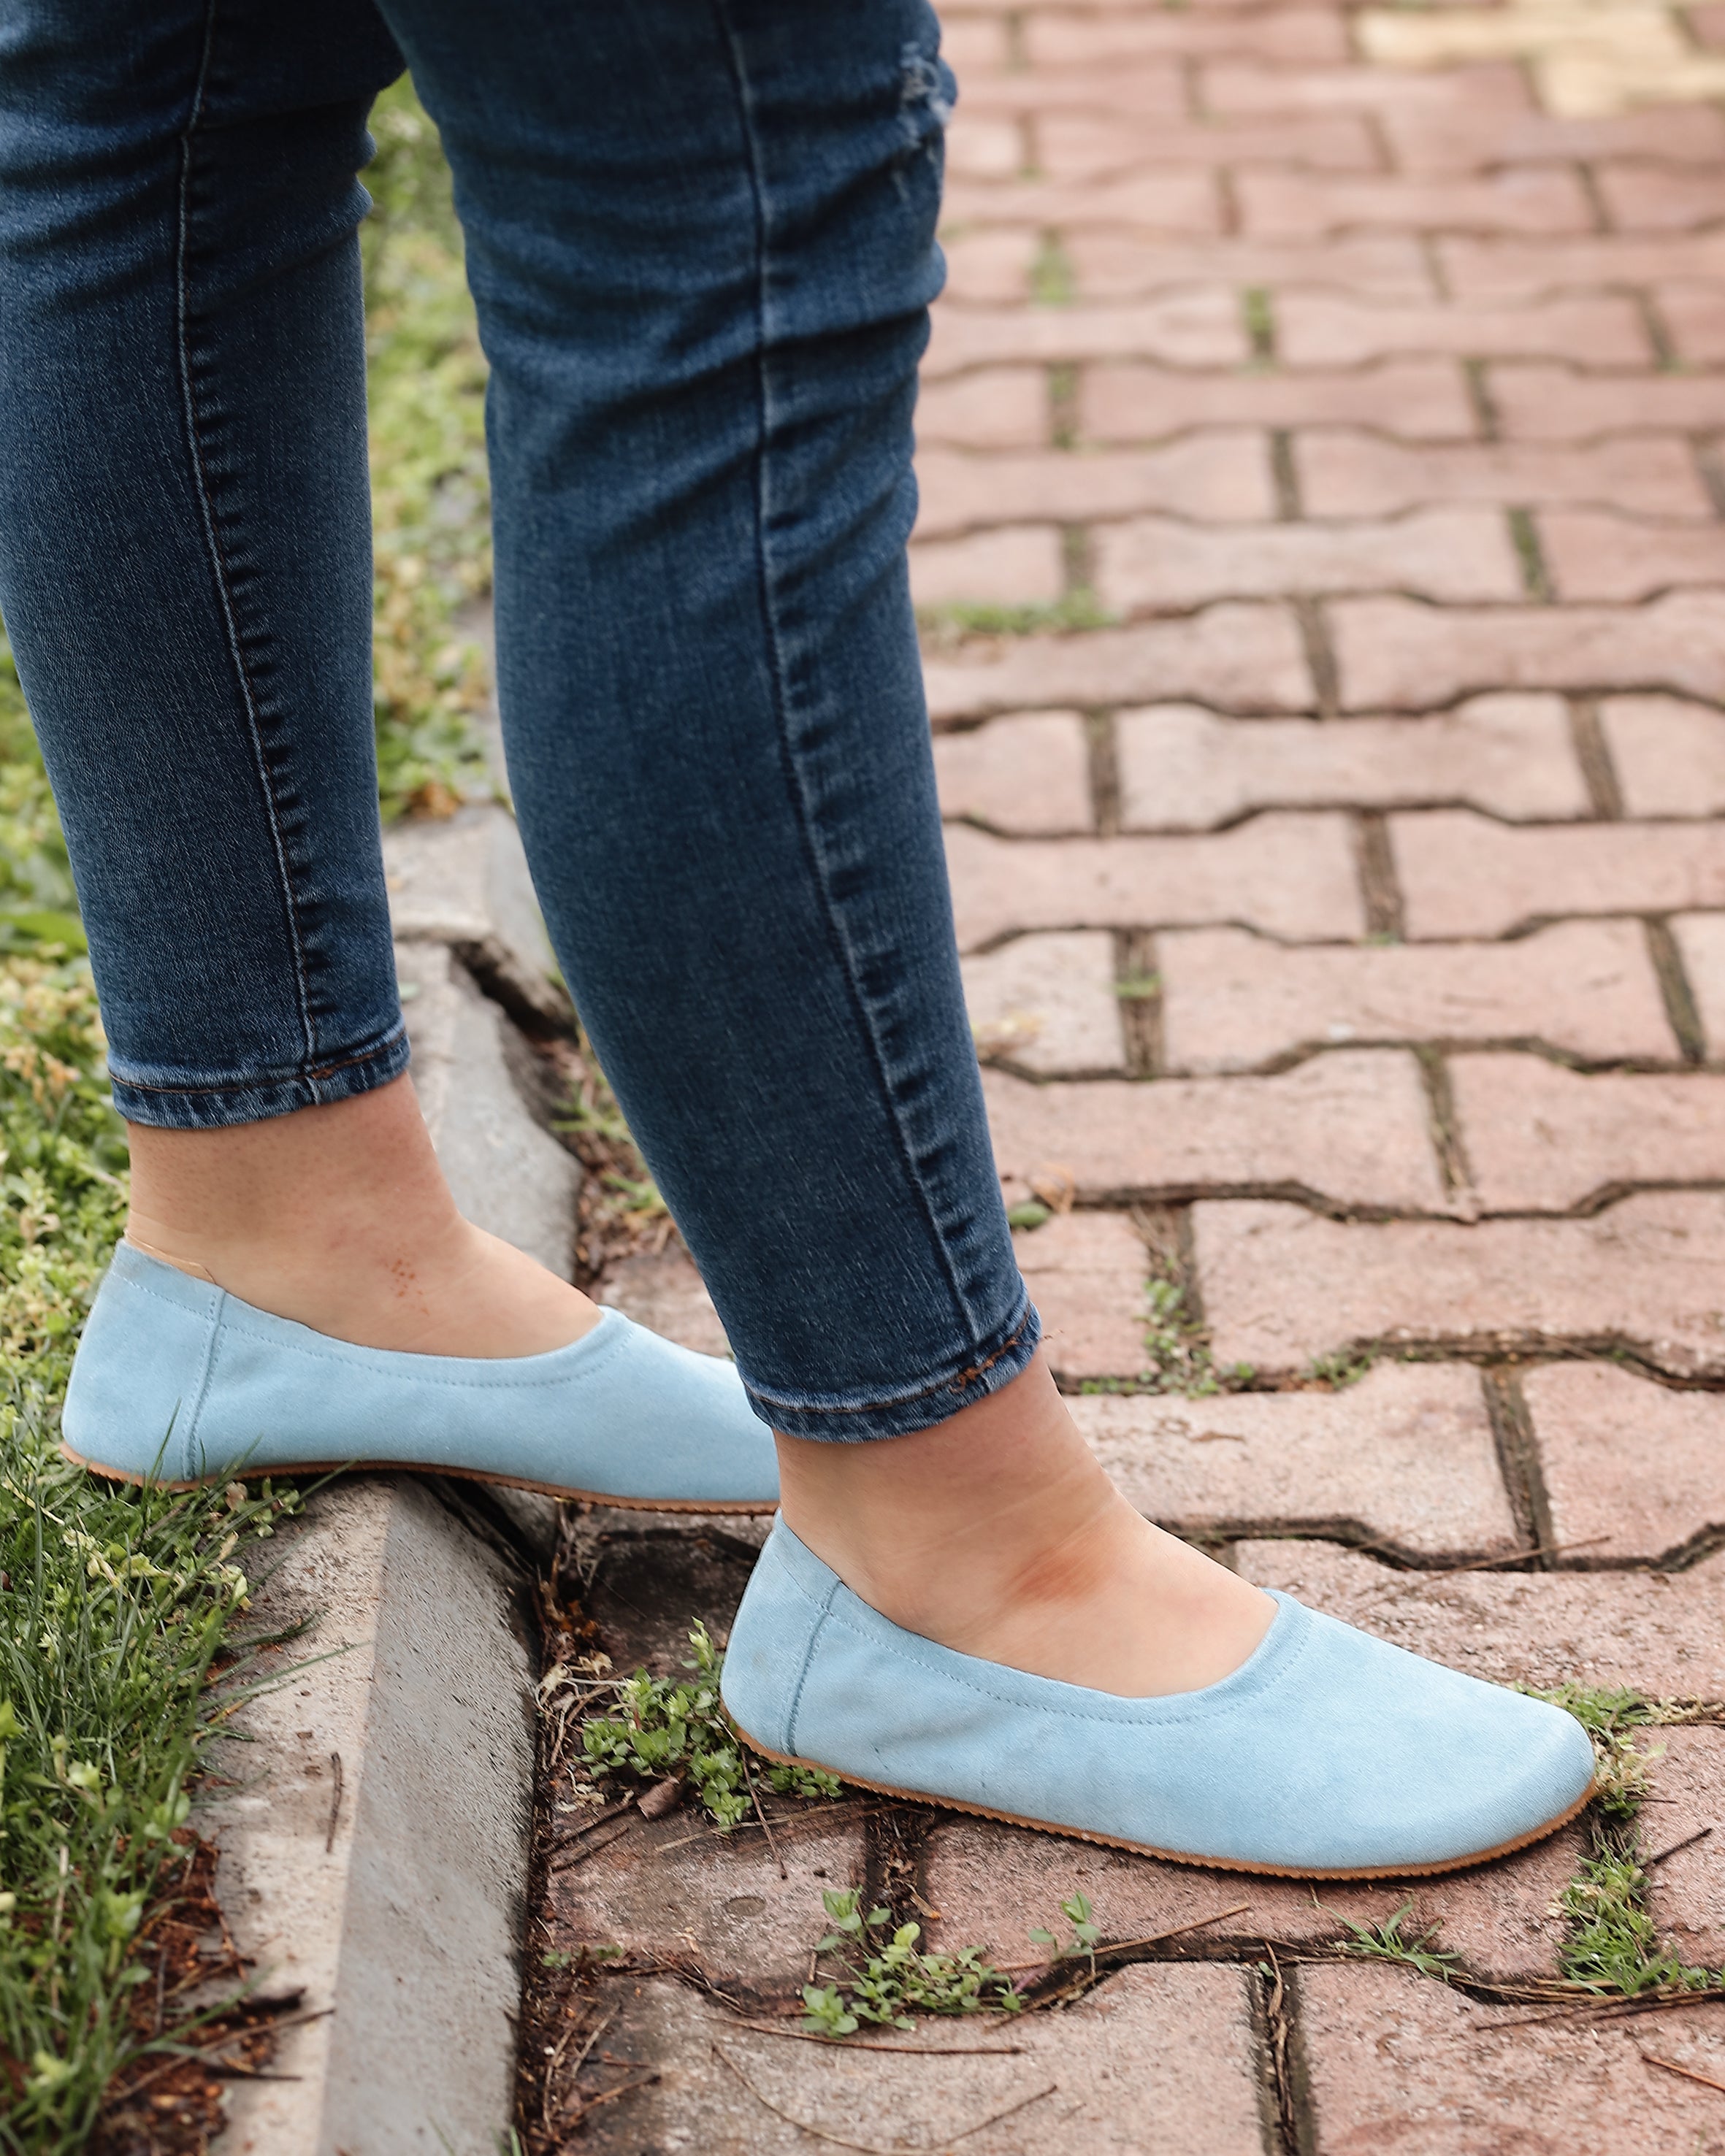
(177, 1382)
(1327, 1754)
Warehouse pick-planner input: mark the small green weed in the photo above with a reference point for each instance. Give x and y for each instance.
(1341, 1369)
(1260, 324)
(1388, 1942)
(1032, 1214)
(1179, 1347)
(1052, 282)
(944, 625)
(1613, 1946)
(1085, 1932)
(1605, 1710)
(1138, 988)
(896, 1980)
(665, 1726)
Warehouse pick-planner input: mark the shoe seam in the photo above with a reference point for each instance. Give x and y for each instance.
(823, 1610)
(1073, 1714)
(212, 1341)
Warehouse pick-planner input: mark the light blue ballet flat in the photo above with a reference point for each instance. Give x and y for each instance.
(1327, 1755)
(621, 1416)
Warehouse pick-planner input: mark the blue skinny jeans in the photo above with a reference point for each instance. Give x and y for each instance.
(700, 235)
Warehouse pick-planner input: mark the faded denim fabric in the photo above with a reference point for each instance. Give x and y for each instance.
(700, 235)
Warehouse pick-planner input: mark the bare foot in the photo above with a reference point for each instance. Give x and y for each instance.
(997, 1534)
(339, 1217)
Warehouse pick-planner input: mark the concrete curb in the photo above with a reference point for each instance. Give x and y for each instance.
(373, 1855)
(374, 1818)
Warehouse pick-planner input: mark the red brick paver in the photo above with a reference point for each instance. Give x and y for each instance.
(1322, 550)
(1397, 2062)
(1232, 1001)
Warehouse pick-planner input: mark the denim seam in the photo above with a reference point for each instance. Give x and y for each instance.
(219, 565)
(1175, 1721)
(805, 821)
(823, 1610)
(270, 1077)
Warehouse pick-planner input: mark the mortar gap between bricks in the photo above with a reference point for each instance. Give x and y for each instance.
(1166, 1233)
(1711, 469)
(1077, 561)
(1017, 57)
(1284, 478)
(1051, 271)
(1285, 2083)
(894, 1839)
(1479, 396)
(1228, 204)
(1518, 1454)
(1445, 1131)
(1259, 320)
(1138, 987)
(1592, 752)
(1434, 261)
(1319, 657)
(1101, 748)
(1680, 1008)
(1062, 405)
(1530, 555)
(1590, 188)
(1666, 360)
(1380, 888)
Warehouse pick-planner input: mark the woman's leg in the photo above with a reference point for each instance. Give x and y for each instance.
(185, 569)
(701, 235)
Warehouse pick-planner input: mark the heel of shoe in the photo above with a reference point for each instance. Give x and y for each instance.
(131, 1405)
(773, 1643)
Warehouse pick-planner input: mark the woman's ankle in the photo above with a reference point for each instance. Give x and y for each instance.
(340, 1218)
(997, 1534)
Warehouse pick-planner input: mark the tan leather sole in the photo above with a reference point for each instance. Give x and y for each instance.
(1178, 1855)
(416, 1468)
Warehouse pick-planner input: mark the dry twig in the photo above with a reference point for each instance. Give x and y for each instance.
(1689, 2074)
(1688, 1841)
(915, 2051)
(1512, 1556)
(335, 1802)
(880, 2147)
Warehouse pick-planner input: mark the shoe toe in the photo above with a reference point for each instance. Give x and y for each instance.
(1415, 1765)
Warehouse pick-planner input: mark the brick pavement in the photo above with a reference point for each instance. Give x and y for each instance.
(1334, 402)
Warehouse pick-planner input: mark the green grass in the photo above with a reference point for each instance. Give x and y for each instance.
(115, 1603)
(430, 497)
(119, 1607)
